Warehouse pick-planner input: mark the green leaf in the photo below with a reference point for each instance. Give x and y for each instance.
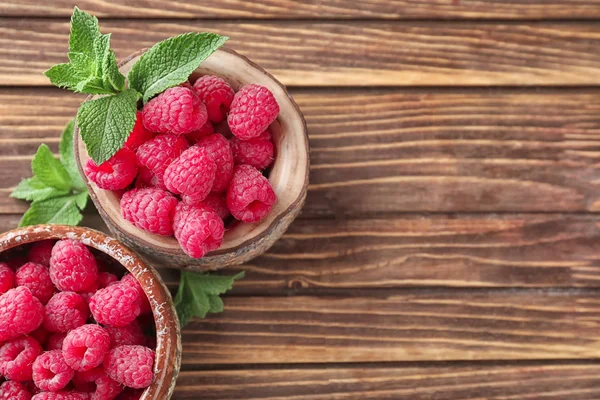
(67, 156)
(170, 62)
(81, 199)
(216, 304)
(84, 30)
(105, 123)
(63, 76)
(33, 189)
(49, 170)
(108, 69)
(59, 210)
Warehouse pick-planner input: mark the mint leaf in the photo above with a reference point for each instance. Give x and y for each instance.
(32, 189)
(59, 210)
(49, 170)
(107, 65)
(67, 156)
(63, 76)
(170, 62)
(81, 199)
(105, 123)
(84, 30)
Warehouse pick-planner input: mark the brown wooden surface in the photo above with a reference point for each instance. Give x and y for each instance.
(449, 245)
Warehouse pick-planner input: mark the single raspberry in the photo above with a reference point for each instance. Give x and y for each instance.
(217, 202)
(96, 381)
(130, 280)
(158, 153)
(130, 366)
(84, 347)
(51, 372)
(150, 209)
(126, 335)
(7, 278)
(205, 130)
(36, 277)
(72, 266)
(20, 313)
(55, 341)
(219, 149)
(177, 110)
(63, 395)
(253, 109)
(116, 173)
(216, 94)
(41, 335)
(116, 305)
(12, 390)
(198, 229)
(192, 174)
(139, 135)
(147, 178)
(257, 152)
(250, 196)
(40, 252)
(17, 357)
(65, 311)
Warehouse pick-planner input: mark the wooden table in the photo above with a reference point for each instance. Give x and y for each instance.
(450, 244)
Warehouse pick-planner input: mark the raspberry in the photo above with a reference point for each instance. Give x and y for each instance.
(7, 278)
(216, 94)
(55, 341)
(198, 229)
(177, 110)
(51, 372)
(72, 266)
(158, 153)
(192, 174)
(116, 305)
(17, 357)
(217, 202)
(20, 313)
(147, 178)
(257, 152)
(97, 382)
(116, 173)
(139, 135)
(84, 347)
(250, 196)
(253, 109)
(130, 280)
(205, 130)
(105, 279)
(11, 390)
(126, 335)
(36, 277)
(41, 252)
(65, 311)
(220, 150)
(130, 366)
(61, 396)
(149, 209)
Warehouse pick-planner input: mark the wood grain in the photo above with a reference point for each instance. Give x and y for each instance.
(317, 9)
(346, 54)
(573, 381)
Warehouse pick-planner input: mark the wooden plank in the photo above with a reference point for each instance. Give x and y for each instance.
(396, 150)
(346, 54)
(576, 381)
(418, 327)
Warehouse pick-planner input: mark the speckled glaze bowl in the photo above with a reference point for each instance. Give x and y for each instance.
(168, 335)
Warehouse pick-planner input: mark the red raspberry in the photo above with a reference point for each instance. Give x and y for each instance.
(51, 372)
(7, 278)
(116, 173)
(17, 357)
(149, 209)
(130, 366)
(192, 174)
(84, 347)
(20, 313)
(126, 335)
(55, 341)
(217, 202)
(253, 109)
(105, 279)
(198, 229)
(97, 382)
(65, 311)
(257, 152)
(36, 277)
(177, 110)
(205, 130)
(147, 178)
(41, 252)
(12, 390)
(116, 305)
(220, 150)
(72, 266)
(61, 396)
(139, 135)
(250, 196)
(216, 94)
(158, 153)
(130, 280)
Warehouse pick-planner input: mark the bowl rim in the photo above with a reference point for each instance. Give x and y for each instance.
(255, 238)
(168, 350)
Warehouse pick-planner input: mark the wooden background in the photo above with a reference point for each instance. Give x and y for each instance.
(450, 245)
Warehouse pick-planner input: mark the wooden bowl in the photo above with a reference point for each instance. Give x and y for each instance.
(168, 335)
(288, 176)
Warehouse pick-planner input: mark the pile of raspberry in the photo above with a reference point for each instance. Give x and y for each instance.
(195, 162)
(72, 326)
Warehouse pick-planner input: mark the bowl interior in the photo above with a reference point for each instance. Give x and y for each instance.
(288, 175)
